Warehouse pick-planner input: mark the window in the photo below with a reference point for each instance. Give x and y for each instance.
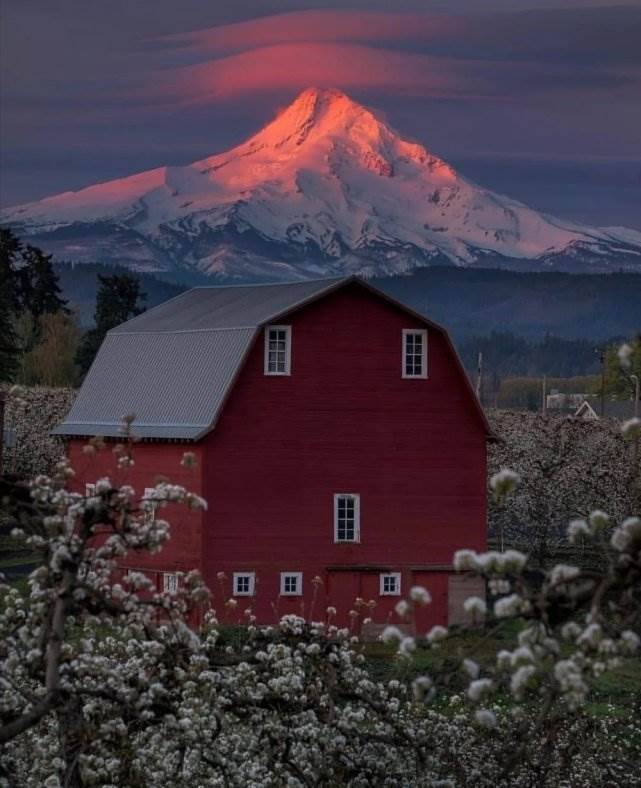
(278, 350)
(244, 583)
(90, 490)
(170, 583)
(347, 517)
(391, 584)
(414, 353)
(291, 583)
(147, 507)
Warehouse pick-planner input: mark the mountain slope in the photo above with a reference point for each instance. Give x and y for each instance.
(326, 187)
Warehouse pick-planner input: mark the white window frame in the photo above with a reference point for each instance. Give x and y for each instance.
(382, 576)
(252, 583)
(288, 350)
(150, 514)
(299, 583)
(90, 490)
(170, 582)
(409, 332)
(357, 517)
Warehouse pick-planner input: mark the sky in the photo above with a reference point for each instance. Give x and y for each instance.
(538, 99)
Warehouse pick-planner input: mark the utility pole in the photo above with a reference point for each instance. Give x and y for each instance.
(601, 354)
(544, 396)
(2, 401)
(479, 378)
(635, 378)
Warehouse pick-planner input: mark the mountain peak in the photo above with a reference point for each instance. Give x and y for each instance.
(325, 186)
(319, 112)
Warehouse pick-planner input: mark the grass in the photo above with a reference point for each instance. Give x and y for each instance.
(615, 693)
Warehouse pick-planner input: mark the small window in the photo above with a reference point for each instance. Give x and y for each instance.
(244, 583)
(291, 583)
(391, 584)
(278, 350)
(170, 582)
(90, 490)
(347, 517)
(414, 353)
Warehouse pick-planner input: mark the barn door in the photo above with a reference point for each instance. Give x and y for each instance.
(343, 588)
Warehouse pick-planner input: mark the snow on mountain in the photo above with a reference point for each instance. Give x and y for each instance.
(326, 187)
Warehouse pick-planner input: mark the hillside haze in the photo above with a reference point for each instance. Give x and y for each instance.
(325, 188)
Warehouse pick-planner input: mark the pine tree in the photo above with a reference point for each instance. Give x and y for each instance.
(40, 291)
(9, 349)
(119, 298)
(10, 253)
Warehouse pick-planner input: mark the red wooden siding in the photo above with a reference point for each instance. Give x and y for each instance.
(152, 460)
(345, 421)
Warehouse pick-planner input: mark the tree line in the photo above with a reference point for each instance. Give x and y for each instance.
(41, 342)
(513, 368)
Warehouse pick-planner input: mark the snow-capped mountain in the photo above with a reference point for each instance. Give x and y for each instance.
(327, 187)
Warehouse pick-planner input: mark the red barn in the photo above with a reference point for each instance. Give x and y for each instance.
(336, 436)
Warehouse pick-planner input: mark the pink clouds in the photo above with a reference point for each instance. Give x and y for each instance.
(341, 48)
(299, 65)
(423, 55)
(306, 26)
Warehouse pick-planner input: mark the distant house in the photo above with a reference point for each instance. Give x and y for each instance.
(563, 403)
(612, 409)
(336, 435)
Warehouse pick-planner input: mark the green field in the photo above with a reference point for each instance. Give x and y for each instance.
(614, 693)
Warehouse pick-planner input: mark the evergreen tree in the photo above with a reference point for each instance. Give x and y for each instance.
(9, 348)
(39, 288)
(10, 248)
(119, 298)
(10, 253)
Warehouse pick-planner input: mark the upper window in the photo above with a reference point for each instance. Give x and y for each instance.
(414, 353)
(244, 583)
(347, 517)
(390, 584)
(291, 583)
(278, 350)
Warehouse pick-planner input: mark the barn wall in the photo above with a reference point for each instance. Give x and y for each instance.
(344, 421)
(152, 460)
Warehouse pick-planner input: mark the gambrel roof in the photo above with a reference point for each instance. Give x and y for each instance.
(173, 366)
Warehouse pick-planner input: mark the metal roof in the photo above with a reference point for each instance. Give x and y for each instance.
(174, 383)
(239, 306)
(172, 366)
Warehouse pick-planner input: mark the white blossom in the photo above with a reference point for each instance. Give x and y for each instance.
(578, 529)
(476, 607)
(563, 573)
(421, 596)
(479, 688)
(508, 606)
(402, 608)
(631, 429)
(391, 633)
(504, 482)
(624, 354)
(485, 718)
(436, 634)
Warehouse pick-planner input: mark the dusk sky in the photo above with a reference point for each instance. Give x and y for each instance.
(539, 99)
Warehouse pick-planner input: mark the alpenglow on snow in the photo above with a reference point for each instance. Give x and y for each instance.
(327, 188)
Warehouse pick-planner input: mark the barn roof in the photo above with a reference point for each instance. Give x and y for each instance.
(173, 366)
